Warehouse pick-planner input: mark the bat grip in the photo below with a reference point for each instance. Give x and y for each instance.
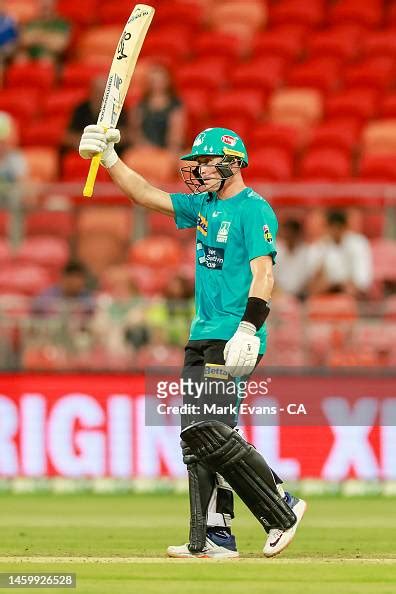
(91, 177)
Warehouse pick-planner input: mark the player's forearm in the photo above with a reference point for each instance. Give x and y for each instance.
(139, 190)
(262, 286)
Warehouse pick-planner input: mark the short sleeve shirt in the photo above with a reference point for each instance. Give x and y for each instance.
(229, 234)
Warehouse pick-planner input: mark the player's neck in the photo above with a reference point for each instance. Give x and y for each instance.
(231, 189)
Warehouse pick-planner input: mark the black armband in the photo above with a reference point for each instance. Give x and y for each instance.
(256, 312)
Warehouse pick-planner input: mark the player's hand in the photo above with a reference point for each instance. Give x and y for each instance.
(241, 351)
(95, 140)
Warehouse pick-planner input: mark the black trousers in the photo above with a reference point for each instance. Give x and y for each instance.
(200, 361)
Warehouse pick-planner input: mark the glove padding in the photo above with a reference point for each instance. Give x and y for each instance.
(95, 140)
(241, 351)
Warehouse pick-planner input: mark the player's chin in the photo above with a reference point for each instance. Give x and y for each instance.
(210, 185)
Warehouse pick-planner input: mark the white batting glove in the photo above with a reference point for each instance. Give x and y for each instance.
(241, 351)
(95, 140)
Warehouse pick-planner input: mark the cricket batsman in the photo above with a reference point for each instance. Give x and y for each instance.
(235, 253)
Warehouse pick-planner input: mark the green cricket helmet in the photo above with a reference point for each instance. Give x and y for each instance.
(214, 142)
(218, 142)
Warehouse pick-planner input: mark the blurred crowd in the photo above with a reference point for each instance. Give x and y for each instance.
(98, 308)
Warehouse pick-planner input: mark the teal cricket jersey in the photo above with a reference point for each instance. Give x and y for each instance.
(229, 234)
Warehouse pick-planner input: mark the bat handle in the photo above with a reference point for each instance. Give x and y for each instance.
(91, 177)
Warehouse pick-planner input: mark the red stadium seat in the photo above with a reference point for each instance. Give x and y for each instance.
(380, 43)
(336, 134)
(339, 42)
(269, 164)
(22, 11)
(332, 308)
(74, 168)
(207, 45)
(265, 74)
(96, 44)
(384, 259)
(292, 12)
(295, 107)
(48, 131)
(378, 168)
(388, 106)
(390, 314)
(158, 224)
(113, 13)
(78, 75)
(156, 252)
(355, 104)
(325, 164)
(42, 163)
(170, 45)
(197, 75)
(115, 220)
(48, 222)
(156, 164)
(366, 14)
(28, 280)
(251, 13)
(61, 102)
(5, 251)
(284, 41)
(31, 75)
(375, 73)
(22, 106)
(191, 14)
(318, 73)
(4, 222)
(273, 135)
(248, 104)
(43, 250)
(379, 137)
(79, 13)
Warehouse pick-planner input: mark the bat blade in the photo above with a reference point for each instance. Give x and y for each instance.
(121, 72)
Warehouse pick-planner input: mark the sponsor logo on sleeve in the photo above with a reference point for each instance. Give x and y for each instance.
(267, 234)
(202, 224)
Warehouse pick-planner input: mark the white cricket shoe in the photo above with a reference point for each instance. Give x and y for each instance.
(219, 545)
(279, 539)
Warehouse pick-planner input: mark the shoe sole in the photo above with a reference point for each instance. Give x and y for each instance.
(230, 555)
(291, 540)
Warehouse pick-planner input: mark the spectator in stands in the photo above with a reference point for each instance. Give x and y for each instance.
(8, 34)
(119, 321)
(13, 167)
(47, 36)
(291, 272)
(87, 112)
(70, 294)
(341, 261)
(174, 312)
(159, 118)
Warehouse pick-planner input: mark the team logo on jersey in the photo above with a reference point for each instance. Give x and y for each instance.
(202, 224)
(222, 234)
(267, 234)
(231, 140)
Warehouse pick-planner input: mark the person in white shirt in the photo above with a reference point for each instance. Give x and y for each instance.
(291, 272)
(341, 261)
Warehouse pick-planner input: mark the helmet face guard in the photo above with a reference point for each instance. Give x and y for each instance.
(192, 175)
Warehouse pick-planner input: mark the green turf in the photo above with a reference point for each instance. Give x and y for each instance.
(335, 530)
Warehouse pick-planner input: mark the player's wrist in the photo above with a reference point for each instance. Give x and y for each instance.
(247, 328)
(109, 159)
(256, 312)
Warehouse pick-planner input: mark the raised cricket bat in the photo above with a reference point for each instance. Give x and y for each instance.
(121, 71)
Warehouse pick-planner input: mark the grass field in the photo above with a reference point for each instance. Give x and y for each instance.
(116, 544)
